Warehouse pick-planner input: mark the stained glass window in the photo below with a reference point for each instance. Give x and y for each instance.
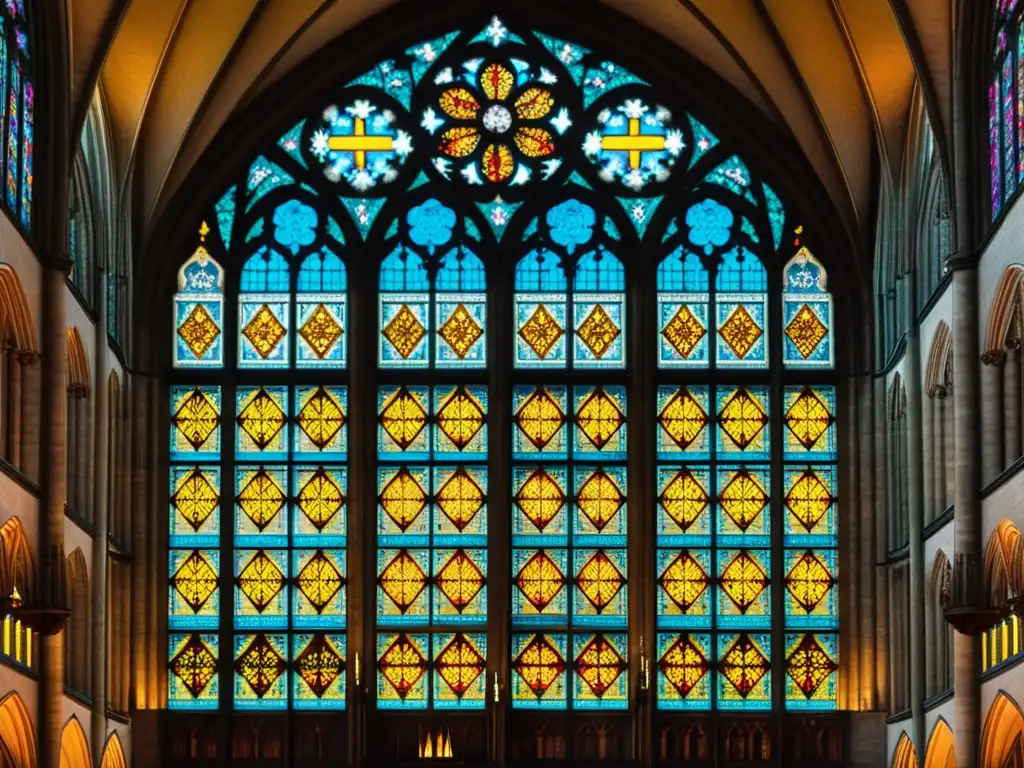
(1006, 107)
(432, 476)
(17, 89)
(523, 159)
(258, 478)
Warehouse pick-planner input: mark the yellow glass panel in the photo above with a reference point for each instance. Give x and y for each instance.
(742, 418)
(261, 499)
(809, 581)
(260, 665)
(460, 580)
(260, 580)
(264, 331)
(598, 331)
(403, 499)
(402, 665)
(806, 331)
(743, 580)
(599, 418)
(541, 332)
(461, 331)
(599, 665)
(403, 580)
(743, 499)
(684, 331)
(540, 580)
(261, 418)
(321, 331)
(540, 417)
(320, 499)
(404, 331)
(540, 498)
(196, 418)
(321, 418)
(744, 665)
(460, 498)
(684, 580)
(319, 581)
(403, 417)
(684, 499)
(460, 417)
(683, 418)
(600, 499)
(460, 664)
(599, 580)
(199, 331)
(539, 664)
(808, 418)
(740, 331)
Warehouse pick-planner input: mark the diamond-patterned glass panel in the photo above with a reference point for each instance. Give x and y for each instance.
(742, 330)
(540, 332)
(263, 331)
(404, 331)
(260, 665)
(683, 331)
(600, 672)
(684, 671)
(402, 665)
(744, 681)
(192, 667)
(539, 671)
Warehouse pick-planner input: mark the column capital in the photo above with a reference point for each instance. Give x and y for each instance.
(57, 260)
(961, 261)
(27, 356)
(994, 357)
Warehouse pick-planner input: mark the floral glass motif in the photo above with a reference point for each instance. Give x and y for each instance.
(496, 115)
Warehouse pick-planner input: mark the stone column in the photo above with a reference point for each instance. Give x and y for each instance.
(100, 454)
(140, 508)
(949, 428)
(967, 533)
(928, 458)
(14, 411)
(870, 664)
(993, 416)
(84, 455)
(32, 414)
(72, 435)
(915, 509)
(1011, 406)
(52, 594)
(938, 396)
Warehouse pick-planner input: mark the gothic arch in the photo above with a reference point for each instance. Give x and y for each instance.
(15, 317)
(17, 568)
(113, 753)
(77, 641)
(905, 755)
(77, 363)
(74, 746)
(938, 359)
(16, 732)
(1003, 736)
(1005, 310)
(1003, 564)
(938, 632)
(941, 752)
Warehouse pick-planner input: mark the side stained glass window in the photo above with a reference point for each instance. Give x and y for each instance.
(432, 480)
(1006, 106)
(17, 89)
(258, 487)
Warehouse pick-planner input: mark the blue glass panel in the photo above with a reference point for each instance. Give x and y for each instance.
(460, 270)
(640, 212)
(226, 216)
(703, 140)
(264, 176)
(498, 214)
(741, 271)
(540, 270)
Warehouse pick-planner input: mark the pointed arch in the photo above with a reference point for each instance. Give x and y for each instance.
(77, 641)
(1003, 735)
(942, 344)
(905, 755)
(76, 361)
(1005, 307)
(16, 731)
(74, 746)
(1002, 572)
(15, 317)
(941, 752)
(113, 753)
(17, 565)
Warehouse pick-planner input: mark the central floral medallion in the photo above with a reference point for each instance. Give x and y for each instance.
(498, 103)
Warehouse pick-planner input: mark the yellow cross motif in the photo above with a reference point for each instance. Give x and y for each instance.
(634, 143)
(359, 143)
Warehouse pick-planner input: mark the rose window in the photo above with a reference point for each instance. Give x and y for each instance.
(496, 124)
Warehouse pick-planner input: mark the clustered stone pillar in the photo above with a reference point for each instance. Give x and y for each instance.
(1011, 405)
(967, 500)
(52, 593)
(991, 413)
(915, 484)
(100, 513)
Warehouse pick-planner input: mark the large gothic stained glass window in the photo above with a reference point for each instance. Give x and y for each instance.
(518, 227)
(17, 90)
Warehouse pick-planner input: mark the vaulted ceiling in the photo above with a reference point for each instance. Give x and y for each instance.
(839, 75)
